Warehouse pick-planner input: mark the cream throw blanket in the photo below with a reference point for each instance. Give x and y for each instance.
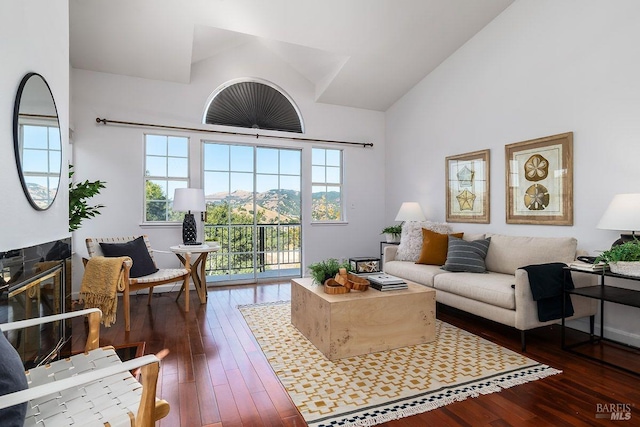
(103, 278)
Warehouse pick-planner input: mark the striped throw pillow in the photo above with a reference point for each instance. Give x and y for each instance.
(466, 256)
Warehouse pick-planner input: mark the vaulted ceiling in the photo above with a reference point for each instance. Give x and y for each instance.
(359, 53)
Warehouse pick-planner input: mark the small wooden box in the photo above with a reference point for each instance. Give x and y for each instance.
(365, 265)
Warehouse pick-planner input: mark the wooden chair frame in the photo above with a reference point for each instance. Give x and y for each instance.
(162, 277)
(150, 409)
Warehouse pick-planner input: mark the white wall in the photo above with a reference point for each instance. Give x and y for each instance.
(541, 68)
(35, 38)
(115, 154)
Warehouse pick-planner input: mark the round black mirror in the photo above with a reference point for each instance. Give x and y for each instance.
(36, 140)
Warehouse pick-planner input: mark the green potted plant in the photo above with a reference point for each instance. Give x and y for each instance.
(392, 233)
(79, 193)
(623, 259)
(323, 270)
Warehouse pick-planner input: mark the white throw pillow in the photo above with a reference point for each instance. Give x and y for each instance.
(411, 238)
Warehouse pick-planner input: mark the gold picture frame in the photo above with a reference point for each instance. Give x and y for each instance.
(539, 181)
(467, 187)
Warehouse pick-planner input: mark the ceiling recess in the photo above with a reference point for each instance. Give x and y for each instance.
(254, 105)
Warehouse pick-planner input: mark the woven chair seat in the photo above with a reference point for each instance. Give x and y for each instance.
(90, 405)
(161, 275)
(94, 388)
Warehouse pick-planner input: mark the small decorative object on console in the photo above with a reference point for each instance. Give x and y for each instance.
(625, 268)
(392, 233)
(623, 259)
(587, 266)
(364, 264)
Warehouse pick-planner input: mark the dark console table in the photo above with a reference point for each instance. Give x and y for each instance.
(603, 293)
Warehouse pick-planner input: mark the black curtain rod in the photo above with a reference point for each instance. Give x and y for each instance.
(107, 121)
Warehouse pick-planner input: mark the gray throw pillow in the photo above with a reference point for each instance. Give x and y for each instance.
(12, 378)
(466, 256)
(143, 264)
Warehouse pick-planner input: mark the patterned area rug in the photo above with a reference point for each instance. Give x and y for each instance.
(378, 387)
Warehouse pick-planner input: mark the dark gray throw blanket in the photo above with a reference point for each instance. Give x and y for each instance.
(546, 281)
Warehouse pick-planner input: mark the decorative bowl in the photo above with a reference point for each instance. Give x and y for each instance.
(333, 287)
(625, 268)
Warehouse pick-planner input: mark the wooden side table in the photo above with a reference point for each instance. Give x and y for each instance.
(198, 264)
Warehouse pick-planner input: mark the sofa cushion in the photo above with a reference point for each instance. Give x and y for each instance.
(490, 288)
(508, 253)
(470, 237)
(419, 273)
(411, 238)
(434, 247)
(466, 256)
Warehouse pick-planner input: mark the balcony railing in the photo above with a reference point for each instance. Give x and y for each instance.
(277, 250)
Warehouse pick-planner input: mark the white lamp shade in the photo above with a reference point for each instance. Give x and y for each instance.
(189, 199)
(623, 213)
(410, 211)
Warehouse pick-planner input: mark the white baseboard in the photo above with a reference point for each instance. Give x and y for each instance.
(609, 332)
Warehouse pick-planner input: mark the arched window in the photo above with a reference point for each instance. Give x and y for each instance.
(253, 103)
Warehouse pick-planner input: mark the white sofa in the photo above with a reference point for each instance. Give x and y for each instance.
(503, 293)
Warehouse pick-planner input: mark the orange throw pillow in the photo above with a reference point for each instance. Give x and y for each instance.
(434, 247)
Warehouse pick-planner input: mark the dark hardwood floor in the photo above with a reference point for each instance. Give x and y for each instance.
(216, 374)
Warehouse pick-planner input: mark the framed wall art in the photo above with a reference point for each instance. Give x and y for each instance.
(539, 181)
(467, 187)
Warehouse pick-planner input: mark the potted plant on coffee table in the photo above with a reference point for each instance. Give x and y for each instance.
(323, 270)
(392, 233)
(623, 259)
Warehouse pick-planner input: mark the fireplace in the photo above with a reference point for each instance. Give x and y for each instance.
(36, 281)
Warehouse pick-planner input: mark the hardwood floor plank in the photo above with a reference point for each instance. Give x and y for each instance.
(216, 375)
(265, 408)
(281, 400)
(209, 413)
(189, 408)
(229, 413)
(185, 358)
(224, 351)
(247, 408)
(503, 406)
(170, 391)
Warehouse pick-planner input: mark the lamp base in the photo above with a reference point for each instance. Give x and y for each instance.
(624, 238)
(189, 230)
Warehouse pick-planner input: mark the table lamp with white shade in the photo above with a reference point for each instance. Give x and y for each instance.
(410, 211)
(623, 214)
(187, 200)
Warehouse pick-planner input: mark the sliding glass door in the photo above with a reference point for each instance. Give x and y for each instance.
(253, 211)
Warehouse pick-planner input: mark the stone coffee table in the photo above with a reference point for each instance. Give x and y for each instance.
(355, 323)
